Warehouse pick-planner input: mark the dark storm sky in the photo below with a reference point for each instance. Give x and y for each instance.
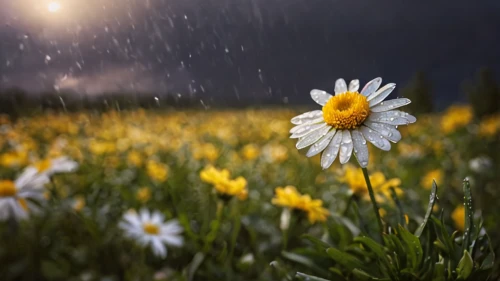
(251, 49)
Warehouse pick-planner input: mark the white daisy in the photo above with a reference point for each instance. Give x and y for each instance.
(150, 229)
(56, 165)
(16, 196)
(348, 120)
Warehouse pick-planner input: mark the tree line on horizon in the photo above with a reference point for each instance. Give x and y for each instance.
(482, 92)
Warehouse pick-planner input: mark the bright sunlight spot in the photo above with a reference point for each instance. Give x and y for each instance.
(54, 7)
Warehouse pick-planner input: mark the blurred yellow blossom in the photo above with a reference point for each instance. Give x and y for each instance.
(431, 175)
(134, 158)
(289, 197)
(143, 194)
(212, 175)
(489, 126)
(206, 151)
(456, 117)
(458, 216)
(14, 159)
(101, 147)
(250, 151)
(220, 179)
(353, 176)
(157, 171)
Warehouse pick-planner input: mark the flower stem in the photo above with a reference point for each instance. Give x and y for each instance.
(374, 203)
(214, 227)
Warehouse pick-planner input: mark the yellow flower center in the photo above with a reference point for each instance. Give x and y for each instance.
(151, 228)
(43, 165)
(346, 111)
(7, 188)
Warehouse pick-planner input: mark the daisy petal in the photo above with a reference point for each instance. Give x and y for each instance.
(306, 117)
(354, 85)
(144, 215)
(360, 148)
(381, 94)
(313, 137)
(320, 97)
(340, 86)
(331, 151)
(375, 138)
(321, 144)
(158, 248)
(390, 104)
(345, 147)
(173, 240)
(394, 117)
(371, 86)
(172, 227)
(388, 131)
(306, 129)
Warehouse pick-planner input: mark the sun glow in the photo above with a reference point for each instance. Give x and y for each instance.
(54, 7)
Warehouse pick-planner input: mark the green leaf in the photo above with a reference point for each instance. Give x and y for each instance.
(413, 247)
(489, 261)
(338, 276)
(195, 263)
(363, 276)
(469, 215)
(443, 236)
(304, 261)
(430, 207)
(439, 272)
(465, 266)
(348, 261)
(379, 250)
(303, 276)
(394, 196)
(317, 242)
(279, 269)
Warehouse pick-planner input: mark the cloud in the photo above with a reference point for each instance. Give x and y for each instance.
(123, 79)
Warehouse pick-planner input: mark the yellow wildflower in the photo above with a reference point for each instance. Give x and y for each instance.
(157, 171)
(206, 151)
(458, 217)
(354, 177)
(212, 175)
(236, 187)
(489, 126)
(134, 158)
(143, 195)
(222, 183)
(456, 117)
(101, 147)
(14, 159)
(431, 175)
(289, 197)
(314, 209)
(250, 152)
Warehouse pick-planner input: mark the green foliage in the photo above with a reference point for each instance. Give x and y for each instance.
(429, 254)
(483, 93)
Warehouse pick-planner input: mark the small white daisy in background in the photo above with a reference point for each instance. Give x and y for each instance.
(150, 229)
(348, 120)
(480, 164)
(16, 196)
(54, 166)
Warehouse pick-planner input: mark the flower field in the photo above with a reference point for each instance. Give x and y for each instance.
(225, 195)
